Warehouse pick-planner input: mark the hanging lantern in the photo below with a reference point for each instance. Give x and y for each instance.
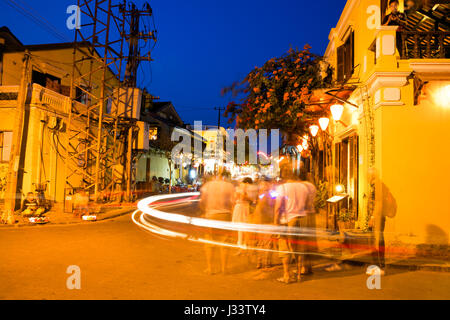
(323, 122)
(336, 111)
(305, 145)
(314, 130)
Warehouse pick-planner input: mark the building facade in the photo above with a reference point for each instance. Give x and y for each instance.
(395, 85)
(47, 104)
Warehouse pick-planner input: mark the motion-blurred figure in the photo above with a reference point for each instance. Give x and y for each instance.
(241, 211)
(264, 213)
(81, 203)
(384, 206)
(291, 211)
(216, 201)
(311, 216)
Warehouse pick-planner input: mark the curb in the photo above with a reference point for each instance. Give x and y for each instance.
(112, 215)
(409, 267)
(424, 267)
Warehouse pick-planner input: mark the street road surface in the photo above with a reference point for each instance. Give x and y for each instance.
(118, 260)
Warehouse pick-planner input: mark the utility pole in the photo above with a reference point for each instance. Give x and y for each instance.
(216, 165)
(219, 109)
(115, 37)
(14, 160)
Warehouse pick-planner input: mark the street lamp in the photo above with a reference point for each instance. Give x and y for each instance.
(323, 122)
(314, 130)
(336, 111)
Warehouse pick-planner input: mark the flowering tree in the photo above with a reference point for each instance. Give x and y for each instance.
(277, 95)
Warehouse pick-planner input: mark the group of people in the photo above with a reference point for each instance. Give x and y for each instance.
(32, 207)
(288, 204)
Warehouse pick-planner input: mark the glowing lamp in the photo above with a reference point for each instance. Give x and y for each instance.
(442, 96)
(305, 145)
(323, 122)
(300, 148)
(336, 111)
(340, 188)
(314, 130)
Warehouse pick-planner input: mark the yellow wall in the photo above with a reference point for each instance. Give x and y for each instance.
(57, 62)
(412, 154)
(159, 167)
(42, 161)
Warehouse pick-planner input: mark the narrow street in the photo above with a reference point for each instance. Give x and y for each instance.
(120, 261)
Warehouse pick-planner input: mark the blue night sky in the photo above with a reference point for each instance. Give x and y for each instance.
(203, 45)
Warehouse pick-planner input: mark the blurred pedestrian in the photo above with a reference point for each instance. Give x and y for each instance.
(81, 203)
(291, 212)
(216, 201)
(311, 231)
(241, 211)
(263, 215)
(385, 205)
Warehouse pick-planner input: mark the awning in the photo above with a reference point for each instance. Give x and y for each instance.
(321, 99)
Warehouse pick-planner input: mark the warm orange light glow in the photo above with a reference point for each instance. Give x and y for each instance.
(336, 111)
(340, 188)
(442, 96)
(305, 145)
(314, 130)
(300, 148)
(323, 122)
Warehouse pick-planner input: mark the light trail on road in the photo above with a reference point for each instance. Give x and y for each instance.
(149, 210)
(149, 207)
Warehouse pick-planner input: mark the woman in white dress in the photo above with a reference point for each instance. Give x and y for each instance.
(241, 209)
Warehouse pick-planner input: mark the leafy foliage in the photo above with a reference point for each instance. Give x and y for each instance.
(276, 94)
(320, 201)
(344, 215)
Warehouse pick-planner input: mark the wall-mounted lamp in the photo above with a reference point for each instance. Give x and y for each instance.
(336, 111)
(314, 130)
(323, 122)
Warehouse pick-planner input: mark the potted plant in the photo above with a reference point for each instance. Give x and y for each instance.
(320, 203)
(345, 220)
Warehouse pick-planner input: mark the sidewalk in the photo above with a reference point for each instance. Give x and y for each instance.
(58, 217)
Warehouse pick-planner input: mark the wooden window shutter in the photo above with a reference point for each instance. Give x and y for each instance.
(352, 51)
(349, 56)
(340, 63)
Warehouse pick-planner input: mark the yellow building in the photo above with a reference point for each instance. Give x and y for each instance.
(397, 83)
(46, 113)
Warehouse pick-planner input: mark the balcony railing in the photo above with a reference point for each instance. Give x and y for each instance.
(40, 96)
(48, 97)
(424, 45)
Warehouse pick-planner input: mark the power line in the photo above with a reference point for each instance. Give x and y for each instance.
(39, 20)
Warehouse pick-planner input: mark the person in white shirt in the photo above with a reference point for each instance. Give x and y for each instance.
(291, 209)
(216, 201)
